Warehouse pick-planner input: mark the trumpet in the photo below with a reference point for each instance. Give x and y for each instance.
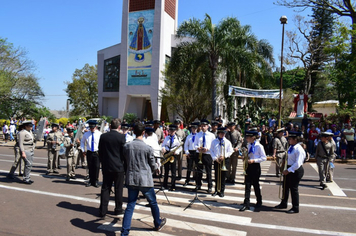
(245, 160)
(283, 167)
(200, 156)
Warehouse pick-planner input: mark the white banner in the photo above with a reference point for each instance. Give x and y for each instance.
(253, 93)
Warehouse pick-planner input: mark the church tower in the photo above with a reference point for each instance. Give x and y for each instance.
(130, 73)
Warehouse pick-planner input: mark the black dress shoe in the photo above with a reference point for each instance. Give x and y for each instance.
(258, 205)
(73, 177)
(185, 184)
(244, 208)
(88, 184)
(67, 179)
(209, 190)
(221, 195)
(56, 172)
(97, 185)
(198, 187)
(293, 211)
(281, 206)
(172, 189)
(59, 167)
(119, 212)
(214, 194)
(86, 177)
(179, 178)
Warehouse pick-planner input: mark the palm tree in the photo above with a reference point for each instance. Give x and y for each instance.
(228, 46)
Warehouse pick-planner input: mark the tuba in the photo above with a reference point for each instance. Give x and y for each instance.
(169, 156)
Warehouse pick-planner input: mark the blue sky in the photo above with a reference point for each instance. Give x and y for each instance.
(61, 36)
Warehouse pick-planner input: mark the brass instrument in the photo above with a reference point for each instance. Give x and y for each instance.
(245, 159)
(200, 156)
(221, 167)
(283, 167)
(169, 156)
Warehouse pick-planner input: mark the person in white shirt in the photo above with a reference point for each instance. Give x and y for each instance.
(190, 152)
(202, 145)
(125, 130)
(220, 151)
(12, 131)
(171, 142)
(91, 140)
(294, 173)
(256, 155)
(150, 141)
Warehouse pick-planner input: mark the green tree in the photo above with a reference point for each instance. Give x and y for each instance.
(187, 83)
(344, 8)
(83, 91)
(19, 87)
(292, 79)
(227, 43)
(343, 70)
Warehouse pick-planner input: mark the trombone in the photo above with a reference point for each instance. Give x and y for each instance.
(245, 160)
(282, 168)
(221, 167)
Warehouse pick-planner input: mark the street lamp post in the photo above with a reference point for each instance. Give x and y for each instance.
(283, 20)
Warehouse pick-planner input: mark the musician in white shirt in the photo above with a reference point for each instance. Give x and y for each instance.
(171, 142)
(202, 145)
(190, 151)
(294, 173)
(220, 151)
(256, 155)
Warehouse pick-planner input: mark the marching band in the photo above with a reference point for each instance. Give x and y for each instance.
(204, 149)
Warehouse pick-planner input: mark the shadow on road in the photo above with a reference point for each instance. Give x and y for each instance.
(91, 226)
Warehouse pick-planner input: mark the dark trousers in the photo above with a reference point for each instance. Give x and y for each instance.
(170, 166)
(108, 179)
(224, 174)
(190, 163)
(292, 183)
(207, 163)
(253, 178)
(93, 166)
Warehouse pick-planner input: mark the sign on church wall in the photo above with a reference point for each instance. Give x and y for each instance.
(139, 60)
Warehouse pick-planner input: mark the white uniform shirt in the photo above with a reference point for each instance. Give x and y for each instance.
(296, 156)
(189, 143)
(209, 137)
(128, 137)
(257, 152)
(167, 144)
(87, 139)
(150, 141)
(215, 149)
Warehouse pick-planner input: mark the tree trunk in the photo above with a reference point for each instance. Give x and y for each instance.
(213, 98)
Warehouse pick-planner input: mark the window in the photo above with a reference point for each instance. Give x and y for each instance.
(112, 74)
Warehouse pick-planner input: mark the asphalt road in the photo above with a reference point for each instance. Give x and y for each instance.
(52, 206)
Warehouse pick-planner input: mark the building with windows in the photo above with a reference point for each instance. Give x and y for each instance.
(130, 73)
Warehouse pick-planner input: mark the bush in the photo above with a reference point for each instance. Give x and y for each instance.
(62, 120)
(129, 117)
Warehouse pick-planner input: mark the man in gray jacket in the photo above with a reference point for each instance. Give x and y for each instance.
(140, 163)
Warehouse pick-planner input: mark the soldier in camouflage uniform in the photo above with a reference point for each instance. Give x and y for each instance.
(54, 140)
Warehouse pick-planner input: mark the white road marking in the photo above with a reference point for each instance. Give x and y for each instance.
(196, 214)
(333, 187)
